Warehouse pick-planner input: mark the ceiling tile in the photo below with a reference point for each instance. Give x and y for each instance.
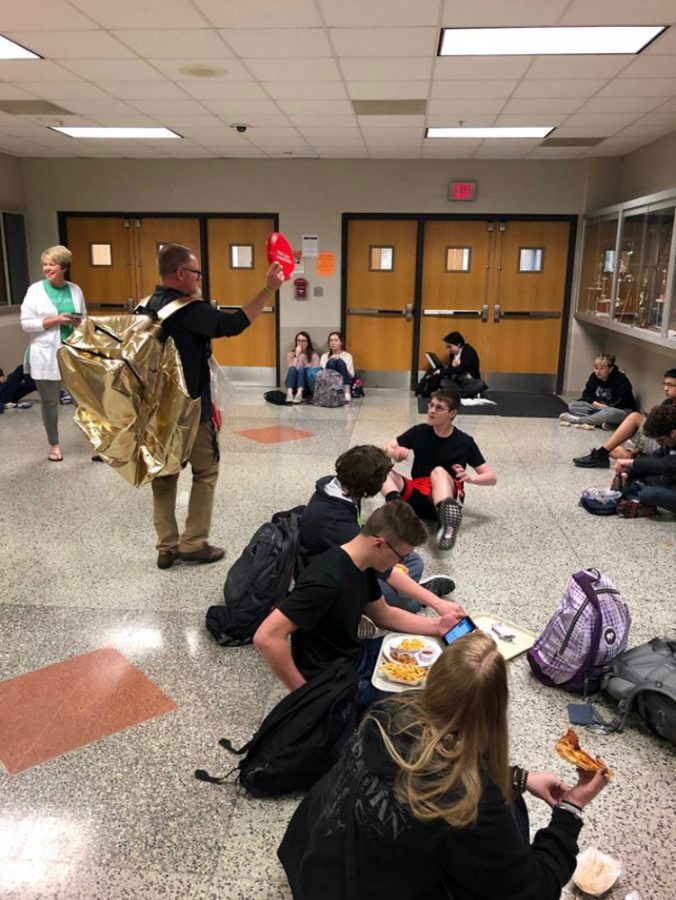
(132, 14)
(308, 90)
(318, 122)
(651, 67)
(579, 131)
(388, 41)
(278, 43)
(471, 89)
(267, 13)
(223, 90)
(233, 70)
(112, 70)
(621, 104)
(320, 107)
(379, 69)
(97, 105)
(9, 92)
(165, 43)
(466, 107)
(595, 12)
(559, 67)
(640, 87)
(544, 106)
(22, 70)
(203, 124)
(658, 119)
(669, 106)
(471, 121)
(406, 123)
(294, 69)
(612, 120)
(485, 68)
(160, 108)
(551, 88)
(144, 90)
(527, 119)
(388, 90)
(21, 15)
(396, 13)
(73, 44)
(65, 90)
(478, 13)
(242, 108)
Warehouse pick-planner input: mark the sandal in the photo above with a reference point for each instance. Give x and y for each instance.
(55, 457)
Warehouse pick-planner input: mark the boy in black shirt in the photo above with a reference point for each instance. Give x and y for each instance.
(436, 489)
(322, 613)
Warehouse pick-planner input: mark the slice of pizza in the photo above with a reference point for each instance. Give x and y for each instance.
(569, 749)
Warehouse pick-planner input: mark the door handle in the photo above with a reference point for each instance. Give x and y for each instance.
(408, 312)
(497, 312)
(484, 313)
(465, 313)
(373, 311)
(530, 314)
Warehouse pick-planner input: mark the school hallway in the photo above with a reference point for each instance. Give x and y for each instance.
(98, 797)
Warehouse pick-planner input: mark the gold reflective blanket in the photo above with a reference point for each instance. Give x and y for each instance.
(132, 401)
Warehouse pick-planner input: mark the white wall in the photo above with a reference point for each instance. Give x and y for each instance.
(12, 342)
(650, 169)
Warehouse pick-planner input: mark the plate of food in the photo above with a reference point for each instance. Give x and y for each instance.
(407, 674)
(411, 650)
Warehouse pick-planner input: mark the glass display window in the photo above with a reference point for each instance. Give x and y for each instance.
(598, 267)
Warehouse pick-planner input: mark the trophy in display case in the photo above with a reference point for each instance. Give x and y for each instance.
(597, 293)
(625, 302)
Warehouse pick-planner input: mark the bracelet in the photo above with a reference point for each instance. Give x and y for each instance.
(570, 807)
(269, 291)
(519, 778)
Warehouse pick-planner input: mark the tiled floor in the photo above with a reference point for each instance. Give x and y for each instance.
(123, 816)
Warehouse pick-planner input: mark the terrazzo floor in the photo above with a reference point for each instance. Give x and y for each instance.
(123, 816)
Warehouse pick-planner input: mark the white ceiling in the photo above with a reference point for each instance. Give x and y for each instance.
(291, 68)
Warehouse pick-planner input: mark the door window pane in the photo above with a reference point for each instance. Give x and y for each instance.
(241, 256)
(381, 259)
(458, 259)
(100, 254)
(531, 259)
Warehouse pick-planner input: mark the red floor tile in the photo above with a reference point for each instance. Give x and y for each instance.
(275, 434)
(57, 709)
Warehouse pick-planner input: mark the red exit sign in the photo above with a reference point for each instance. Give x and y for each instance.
(462, 190)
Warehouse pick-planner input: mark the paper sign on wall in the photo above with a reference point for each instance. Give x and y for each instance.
(309, 245)
(326, 264)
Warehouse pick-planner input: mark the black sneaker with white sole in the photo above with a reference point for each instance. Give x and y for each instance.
(440, 585)
(599, 458)
(450, 516)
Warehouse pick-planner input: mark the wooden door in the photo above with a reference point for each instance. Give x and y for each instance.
(150, 234)
(381, 267)
(457, 256)
(235, 276)
(103, 259)
(527, 294)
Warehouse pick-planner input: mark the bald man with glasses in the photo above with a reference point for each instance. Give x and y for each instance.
(193, 329)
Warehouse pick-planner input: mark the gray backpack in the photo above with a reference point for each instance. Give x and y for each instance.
(643, 679)
(329, 389)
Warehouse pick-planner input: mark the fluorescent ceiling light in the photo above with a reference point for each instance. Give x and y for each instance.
(539, 132)
(595, 39)
(10, 50)
(134, 133)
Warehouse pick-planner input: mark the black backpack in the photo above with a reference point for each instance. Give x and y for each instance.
(301, 738)
(276, 397)
(259, 579)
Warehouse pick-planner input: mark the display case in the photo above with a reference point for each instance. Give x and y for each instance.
(627, 271)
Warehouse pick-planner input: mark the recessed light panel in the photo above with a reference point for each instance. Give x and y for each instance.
(596, 39)
(10, 50)
(535, 132)
(133, 133)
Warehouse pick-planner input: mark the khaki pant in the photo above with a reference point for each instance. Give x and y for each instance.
(204, 463)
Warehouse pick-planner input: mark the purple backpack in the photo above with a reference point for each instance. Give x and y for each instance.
(589, 628)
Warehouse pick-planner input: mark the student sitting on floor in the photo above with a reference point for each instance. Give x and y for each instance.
(599, 458)
(14, 387)
(338, 359)
(423, 804)
(333, 517)
(436, 489)
(607, 398)
(650, 479)
(322, 613)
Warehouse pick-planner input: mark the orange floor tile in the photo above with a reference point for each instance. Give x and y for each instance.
(57, 709)
(275, 434)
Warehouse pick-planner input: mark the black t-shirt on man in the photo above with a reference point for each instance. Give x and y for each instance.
(326, 605)
(430, 450)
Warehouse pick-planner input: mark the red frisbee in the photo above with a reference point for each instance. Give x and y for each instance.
(280, 251)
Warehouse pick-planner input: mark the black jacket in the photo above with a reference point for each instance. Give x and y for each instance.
(616, 391)
(327, 521)
(351, 839)
(192, 329)
(661, 462)
(468, 365)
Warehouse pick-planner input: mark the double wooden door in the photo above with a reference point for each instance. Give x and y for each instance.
(501, 284)
(115, 264)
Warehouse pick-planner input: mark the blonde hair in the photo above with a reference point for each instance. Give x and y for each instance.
(58, 254)
(605, 359)
(453, 729)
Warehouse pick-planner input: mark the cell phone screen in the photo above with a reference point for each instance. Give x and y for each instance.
(464, 626)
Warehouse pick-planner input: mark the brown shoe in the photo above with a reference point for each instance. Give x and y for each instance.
(206, 554)
(166, 559)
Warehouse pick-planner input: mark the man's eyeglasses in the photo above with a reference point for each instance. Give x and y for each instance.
(402, 559)
(197, 272)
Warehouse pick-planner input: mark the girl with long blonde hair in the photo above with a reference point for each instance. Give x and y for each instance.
(423, 803)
